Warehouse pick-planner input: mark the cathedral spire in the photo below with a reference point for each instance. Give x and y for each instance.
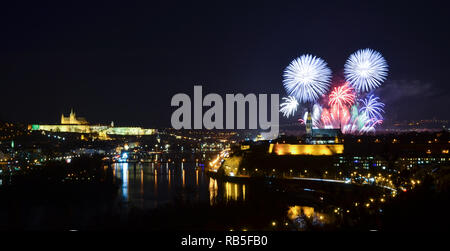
(309, 124)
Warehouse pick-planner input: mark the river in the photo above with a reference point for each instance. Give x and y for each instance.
(150, 186)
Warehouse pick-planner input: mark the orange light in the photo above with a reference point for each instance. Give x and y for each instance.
(306, 149)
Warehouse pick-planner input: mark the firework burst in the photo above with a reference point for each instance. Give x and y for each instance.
(289, 106)
(365, 70)
(342, 96)
(372, 107)
(350, 106)
(307, 78)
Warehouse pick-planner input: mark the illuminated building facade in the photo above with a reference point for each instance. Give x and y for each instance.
(319, 142)
(306, 149)
(321, 136)
(73, 120)
(309, 124)
(417, 161)
(362, 162)
(72, 124)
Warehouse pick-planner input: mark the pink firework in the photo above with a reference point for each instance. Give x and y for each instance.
(335, 116)
(326, 119)
(342, 96)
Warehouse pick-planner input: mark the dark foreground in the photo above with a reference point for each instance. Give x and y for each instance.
(85, 196)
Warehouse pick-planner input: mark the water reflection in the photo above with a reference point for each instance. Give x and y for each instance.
(149, 185)
(302, 216)
(155, 178)
(234, 192)
(123, 175)
(142, 181)
(146, 185)
(297, 211)
(213, 190)
(183, 177)
(169, 177)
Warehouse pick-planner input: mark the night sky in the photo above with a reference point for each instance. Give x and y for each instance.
(123, 62)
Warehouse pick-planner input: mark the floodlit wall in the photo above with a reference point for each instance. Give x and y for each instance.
(132, 131)
(306, 149)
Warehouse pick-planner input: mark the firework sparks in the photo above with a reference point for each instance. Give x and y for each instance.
(289, 106)
(342, 96)
(365, 70)
(307, 78)
(372, 107)
(347, 106)
(315, 115)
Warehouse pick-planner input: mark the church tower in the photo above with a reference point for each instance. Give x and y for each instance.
(72, 119)
(309, 125)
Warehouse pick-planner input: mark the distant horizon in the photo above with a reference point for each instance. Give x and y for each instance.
(285, 123)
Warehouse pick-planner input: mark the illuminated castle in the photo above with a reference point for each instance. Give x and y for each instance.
(72, 124)
(72, 119)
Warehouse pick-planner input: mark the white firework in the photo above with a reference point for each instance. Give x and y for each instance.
(315, 115)
(307, 78)
(289, 106)
(365, 69)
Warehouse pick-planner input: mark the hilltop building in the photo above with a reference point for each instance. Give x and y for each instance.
(73, 124)
(73, 120)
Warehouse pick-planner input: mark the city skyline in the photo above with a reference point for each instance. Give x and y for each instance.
(222, 123)
(109, 68)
